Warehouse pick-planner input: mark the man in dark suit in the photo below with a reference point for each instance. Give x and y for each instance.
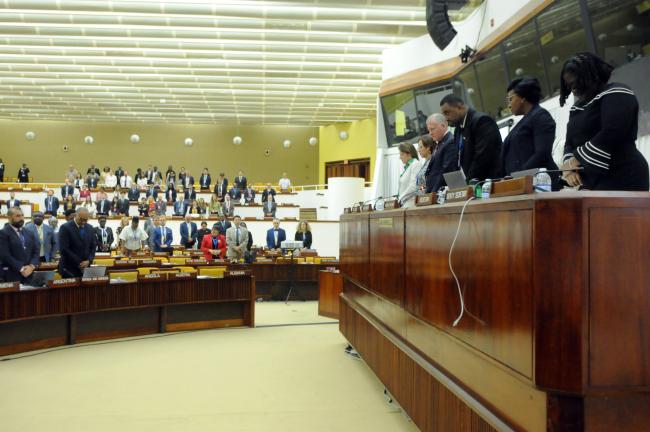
(269, 207)
(445, 156)
(170, 194)
(19, 249)
(93, 170)
(67, 189)
(23, 174)
(189, 195)
(134, 192)
(240, 181)
(162, 237)
(45, 236)
(152, 191)
(104, 236)
(92, 181)
(235, 194)
(123, 204)
(249, 195)
(12, 201)
(76, 245)
(51, 203)
(180, 208)
(189, 232)
(205, 179)
(275, 236)
(268, 191)
(149, 174)
(477, 137)
(223, 225)
(119, 173)
(188, 181)
(103, 206)
(221, 188)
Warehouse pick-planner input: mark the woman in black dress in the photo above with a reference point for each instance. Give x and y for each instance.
(602, 129)
(530, 143)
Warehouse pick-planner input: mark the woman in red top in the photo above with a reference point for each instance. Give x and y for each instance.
(214, 245)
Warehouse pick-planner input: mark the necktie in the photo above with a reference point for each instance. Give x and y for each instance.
(237, 237)
(104, 238)
(49, 204)
(162, 234)
(22, 238)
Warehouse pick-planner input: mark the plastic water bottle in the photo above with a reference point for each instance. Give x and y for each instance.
(542, 181)
(486, 189)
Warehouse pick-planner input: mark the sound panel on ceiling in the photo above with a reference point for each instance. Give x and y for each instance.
(438, 24)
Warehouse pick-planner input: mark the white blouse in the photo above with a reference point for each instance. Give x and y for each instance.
(111, 181)
(408, 184)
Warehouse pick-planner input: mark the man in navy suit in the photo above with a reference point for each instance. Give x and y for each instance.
(134, 192)
(223, 225)
(51, 203)
(18, 249)
(103, 206)
(67, 189)
(275, 236)
(205, 179)
(77, 244)
(162, 237)
(189, 232)
(44, 233)
(445, 156)
(180, 207)
(221, 188)
(12, 201)
(240, 181)
(91, 181)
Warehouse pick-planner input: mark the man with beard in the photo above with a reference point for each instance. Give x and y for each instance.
(18, 249)
(45, 235)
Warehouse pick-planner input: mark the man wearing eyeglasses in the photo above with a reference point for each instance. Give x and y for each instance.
(77, 244)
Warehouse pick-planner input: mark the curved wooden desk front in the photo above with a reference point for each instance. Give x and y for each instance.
(42, 318)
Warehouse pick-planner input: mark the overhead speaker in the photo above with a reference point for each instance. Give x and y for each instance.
(438, 24)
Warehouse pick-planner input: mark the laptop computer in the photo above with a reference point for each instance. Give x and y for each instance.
(455, 179)
(40, 278)
(94, 271)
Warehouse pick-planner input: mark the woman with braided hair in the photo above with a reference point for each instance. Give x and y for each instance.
(602, 130)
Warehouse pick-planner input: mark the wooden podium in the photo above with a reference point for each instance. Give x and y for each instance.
(555, 333)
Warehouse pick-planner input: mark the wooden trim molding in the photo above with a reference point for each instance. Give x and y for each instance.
(448, 68)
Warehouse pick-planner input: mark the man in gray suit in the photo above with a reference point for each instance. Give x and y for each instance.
(45, 235)
(236, 239)
(150, 228)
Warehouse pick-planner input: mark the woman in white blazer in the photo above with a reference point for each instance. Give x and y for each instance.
(408, 178)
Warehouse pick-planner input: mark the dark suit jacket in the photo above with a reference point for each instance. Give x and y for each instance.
(221, 188)
(152, 191)
(530, 143)
(269, 211)
(266, 193)
(205, 181)
(180, 208)
(91, 181)
(123, 207)
(67, 190)
(54, 206)
(101, 246)
(118, 174)
(443, 161)
(270, 238)
(49, 239)
(23, 175)
(241, 182)
(170, 195)
(306, 238)
(187, 237)
(187, 182)
(74, 249)
(103, 206)
(235, 194)
(481, 154)
(13, 203)
(189, 195)
(157, 239)
(249, 195)
(134, 194)
(12, 254)
(223, 227)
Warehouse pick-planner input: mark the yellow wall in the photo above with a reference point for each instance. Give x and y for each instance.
(361, 143)
(160, 145)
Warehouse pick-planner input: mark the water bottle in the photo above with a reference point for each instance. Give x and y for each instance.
(542, 181)
(442, 195)
(486, 189)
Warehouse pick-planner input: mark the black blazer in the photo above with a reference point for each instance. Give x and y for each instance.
(205, 181)
(104, 208)
(123, 207)
(152, 191)
(74, 249)
(187, 182)
(266, 192)
(444, 160)
(224, 188)
(101, 246)
(23, 175)
(170, 195)
(13, 203)
(241, 183)
(306, 239)
(12, 254)
(55, 204)
(134, 194)
(269, 210)
(91, 181)
(235, 193)
(249, 195)
(480, 156)
(67, 190)
(530, 143)
(189, 195)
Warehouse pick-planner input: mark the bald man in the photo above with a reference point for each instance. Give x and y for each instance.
(77, 244)
(445, 155)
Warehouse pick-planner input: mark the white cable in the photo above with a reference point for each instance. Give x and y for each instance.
(451, 249)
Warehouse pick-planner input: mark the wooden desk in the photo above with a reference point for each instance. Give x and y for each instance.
(272, 279)
(556, 327)
(48, 317)
(330, 286)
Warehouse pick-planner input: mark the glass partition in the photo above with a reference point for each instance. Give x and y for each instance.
(400, 117)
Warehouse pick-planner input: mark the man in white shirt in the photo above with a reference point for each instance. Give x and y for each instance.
(126, 181)
(284, 183)
(111, 180)
(133, 237)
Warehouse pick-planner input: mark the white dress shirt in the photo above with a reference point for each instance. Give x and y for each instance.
(126, 181)
(111, 181)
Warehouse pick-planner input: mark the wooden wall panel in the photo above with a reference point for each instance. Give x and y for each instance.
(492, 259)
(387, 255)
(354, 252)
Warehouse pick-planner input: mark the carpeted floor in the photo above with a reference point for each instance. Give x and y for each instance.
(272, 378)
